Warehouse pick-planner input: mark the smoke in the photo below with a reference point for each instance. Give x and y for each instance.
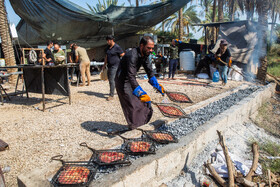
(260, 49)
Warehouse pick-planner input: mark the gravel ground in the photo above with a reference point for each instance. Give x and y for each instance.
(35, 136)
(238, 139)
(184, 126)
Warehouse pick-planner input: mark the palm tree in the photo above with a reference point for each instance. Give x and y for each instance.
(101, 6)
(206, 4)
(181, 29)
(275, 10)
(214, 11)
(231, 9)
(247, 6)
(220, 10)
(7, 41)
(214, 19)
(189, 17)
(262, 9)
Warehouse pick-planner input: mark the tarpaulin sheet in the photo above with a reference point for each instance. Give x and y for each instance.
(55, 80)
(65, 21)
(242, 39)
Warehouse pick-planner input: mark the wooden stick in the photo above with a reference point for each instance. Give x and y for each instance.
(228, 160)
(274, 78)
(233, 68)
(273, 178)
(245, 182)
(213, 172)
(255, 162)
(269, 178)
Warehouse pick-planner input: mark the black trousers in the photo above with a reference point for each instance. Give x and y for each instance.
(201, 64)
(111, 77)
(172, 67)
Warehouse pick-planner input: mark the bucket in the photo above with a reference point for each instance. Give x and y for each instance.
(216, 76)
(2, 62)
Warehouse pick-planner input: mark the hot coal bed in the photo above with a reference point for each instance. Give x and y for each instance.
(184, 126)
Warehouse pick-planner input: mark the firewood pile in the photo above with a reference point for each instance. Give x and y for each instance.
(235, 178)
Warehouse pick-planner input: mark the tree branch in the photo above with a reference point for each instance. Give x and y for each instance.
(213, 172)
(255, 162)
(228, 160)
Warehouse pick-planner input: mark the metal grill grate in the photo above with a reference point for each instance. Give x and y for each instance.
(138, 146)
(73, 173)
(108, 157)
(178, 97)
(162, 137)
(171, 110)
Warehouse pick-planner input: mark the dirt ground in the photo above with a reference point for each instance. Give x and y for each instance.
(269, 116)
(35, 136)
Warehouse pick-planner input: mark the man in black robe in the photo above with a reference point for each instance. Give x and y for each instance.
(135, 102)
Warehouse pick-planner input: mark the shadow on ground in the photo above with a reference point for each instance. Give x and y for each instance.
(35, 101)
(96, 94)
(102, 127)
(187, 170)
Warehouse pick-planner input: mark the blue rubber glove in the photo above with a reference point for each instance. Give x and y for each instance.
(178, 41)
(153, 81)
(142, 95)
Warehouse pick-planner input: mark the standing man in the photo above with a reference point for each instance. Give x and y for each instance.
(48, 56)
(210, 47)
(173, 62)
(223, 56)
(59, 55)
(135, 102)
(112, 61)
(82, 57)
(72, 59)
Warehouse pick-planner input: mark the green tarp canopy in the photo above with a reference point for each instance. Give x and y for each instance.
(64, 21)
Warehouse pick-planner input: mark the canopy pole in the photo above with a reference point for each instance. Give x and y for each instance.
(113, 32)
(205, 40)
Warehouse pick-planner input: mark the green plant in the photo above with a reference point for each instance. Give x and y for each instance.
(274, 60)
(272, 149)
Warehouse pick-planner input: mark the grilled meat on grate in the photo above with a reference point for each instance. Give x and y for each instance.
(162, 136)
(178, 97)
(139, 146)
(170, 110)
(109, 157)
(74, 175)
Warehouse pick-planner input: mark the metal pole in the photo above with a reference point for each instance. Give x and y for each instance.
(217, 34)
(205, 39)
(43, 89)
(69, 93)
(2, 99)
